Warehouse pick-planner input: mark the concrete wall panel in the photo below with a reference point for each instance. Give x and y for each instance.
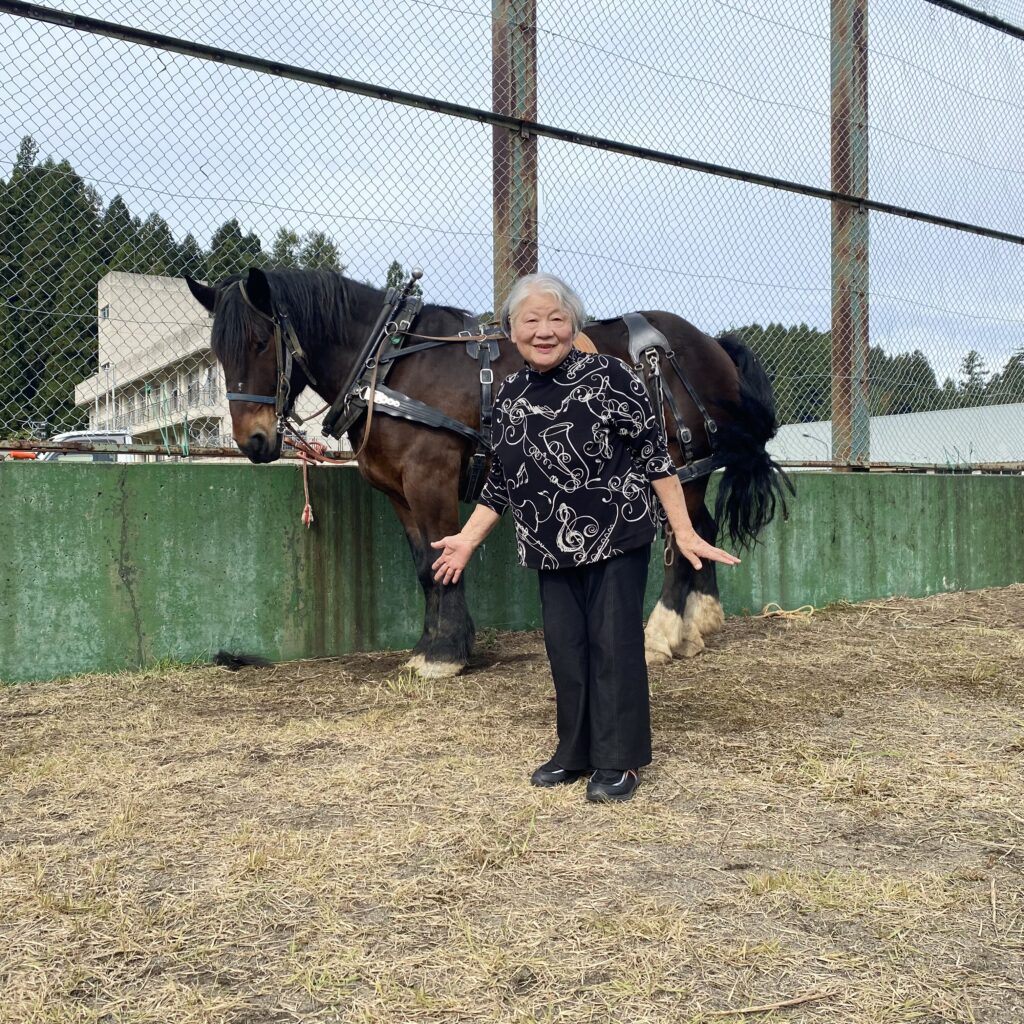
(114, 567)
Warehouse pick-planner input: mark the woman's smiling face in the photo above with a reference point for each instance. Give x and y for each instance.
(542, 331)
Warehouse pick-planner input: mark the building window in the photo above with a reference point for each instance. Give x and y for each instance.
(105, 312)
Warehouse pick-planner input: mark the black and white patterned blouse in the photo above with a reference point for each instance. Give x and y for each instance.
(575, 450)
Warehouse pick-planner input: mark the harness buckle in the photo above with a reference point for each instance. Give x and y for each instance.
(486, 375)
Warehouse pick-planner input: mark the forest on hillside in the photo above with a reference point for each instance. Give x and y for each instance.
(58, 239)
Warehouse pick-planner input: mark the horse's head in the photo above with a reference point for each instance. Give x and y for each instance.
(243, 341)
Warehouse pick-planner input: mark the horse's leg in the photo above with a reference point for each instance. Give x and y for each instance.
(421, 557)
(688, 608)
(448, 632)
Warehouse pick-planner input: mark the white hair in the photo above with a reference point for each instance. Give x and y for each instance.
(568, 301)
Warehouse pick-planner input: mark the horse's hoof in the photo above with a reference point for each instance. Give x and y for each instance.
(436, 669)
(689, 648)
(415, 662)
(657, 656)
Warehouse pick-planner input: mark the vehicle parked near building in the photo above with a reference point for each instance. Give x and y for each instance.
(92, 437)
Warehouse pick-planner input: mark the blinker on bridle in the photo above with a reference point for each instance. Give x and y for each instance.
(286, 350)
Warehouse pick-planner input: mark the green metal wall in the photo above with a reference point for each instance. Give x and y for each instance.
(112, 567)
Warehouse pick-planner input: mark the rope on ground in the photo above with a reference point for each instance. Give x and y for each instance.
(774, 611)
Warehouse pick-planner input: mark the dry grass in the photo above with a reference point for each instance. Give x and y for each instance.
(834, 822)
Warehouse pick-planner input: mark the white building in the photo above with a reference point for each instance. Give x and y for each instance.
(157, 377)
(985, 435)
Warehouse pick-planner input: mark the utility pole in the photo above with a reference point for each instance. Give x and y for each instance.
(514, 154)
(850, 338)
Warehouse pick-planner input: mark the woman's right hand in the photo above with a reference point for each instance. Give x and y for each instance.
(456, 552)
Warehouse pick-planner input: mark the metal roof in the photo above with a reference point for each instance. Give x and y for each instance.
(950, 437)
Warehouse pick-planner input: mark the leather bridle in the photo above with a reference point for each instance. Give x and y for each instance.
(287, 350)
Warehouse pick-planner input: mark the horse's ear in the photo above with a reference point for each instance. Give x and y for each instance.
(257, 287)
(203, 293)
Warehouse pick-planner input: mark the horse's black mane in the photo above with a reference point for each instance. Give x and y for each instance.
(317, 302)
(320, 303)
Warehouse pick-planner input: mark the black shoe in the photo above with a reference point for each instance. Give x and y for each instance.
(552, 774)
(607, 784)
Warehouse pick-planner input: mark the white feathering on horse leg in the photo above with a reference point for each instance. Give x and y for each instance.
(669, 635)
(662, 626)
(415, 662)
(705, 612)
(439, 669)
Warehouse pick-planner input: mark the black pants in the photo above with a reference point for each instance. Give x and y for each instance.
(594, 635)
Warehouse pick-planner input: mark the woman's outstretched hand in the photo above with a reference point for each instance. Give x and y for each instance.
(456, 552)
(457, 549)
(694, 548)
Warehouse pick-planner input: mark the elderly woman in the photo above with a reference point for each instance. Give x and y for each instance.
(577, 451)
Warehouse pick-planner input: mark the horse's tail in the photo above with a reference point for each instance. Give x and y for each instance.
(753, 486)
(233, 662)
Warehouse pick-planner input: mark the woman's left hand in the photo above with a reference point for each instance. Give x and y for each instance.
(694, 547)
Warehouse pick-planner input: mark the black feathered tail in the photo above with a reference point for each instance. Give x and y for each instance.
(233, 662)
(753, 486)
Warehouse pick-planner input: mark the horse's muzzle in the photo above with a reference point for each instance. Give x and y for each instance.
(260, 448)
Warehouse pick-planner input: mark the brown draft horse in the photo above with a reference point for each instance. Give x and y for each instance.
(419, 467)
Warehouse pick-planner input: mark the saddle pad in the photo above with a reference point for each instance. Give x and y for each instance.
(583, 343)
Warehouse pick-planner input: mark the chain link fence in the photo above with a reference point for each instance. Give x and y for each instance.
(688, 156)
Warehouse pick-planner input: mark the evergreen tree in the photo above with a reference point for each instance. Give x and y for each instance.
(284, 255)
(798, 361)
(1007, 386)
(157, 252)
(320, 253)
(975, 376)
(231, 252)
(900, 384)
(49, 234)
(191, 259)
(118, 236)
(28, 153)
(949, 396)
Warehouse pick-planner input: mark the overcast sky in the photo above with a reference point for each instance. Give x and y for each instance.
(742, 83)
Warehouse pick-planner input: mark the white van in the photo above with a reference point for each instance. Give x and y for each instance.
(92, 437)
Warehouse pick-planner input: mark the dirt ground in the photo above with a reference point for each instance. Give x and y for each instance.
(832, 831)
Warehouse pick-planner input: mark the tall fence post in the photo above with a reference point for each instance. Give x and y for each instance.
(850, 386)
(514, 169)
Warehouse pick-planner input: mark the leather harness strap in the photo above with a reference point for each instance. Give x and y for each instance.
(645, 341)
(366, 391)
